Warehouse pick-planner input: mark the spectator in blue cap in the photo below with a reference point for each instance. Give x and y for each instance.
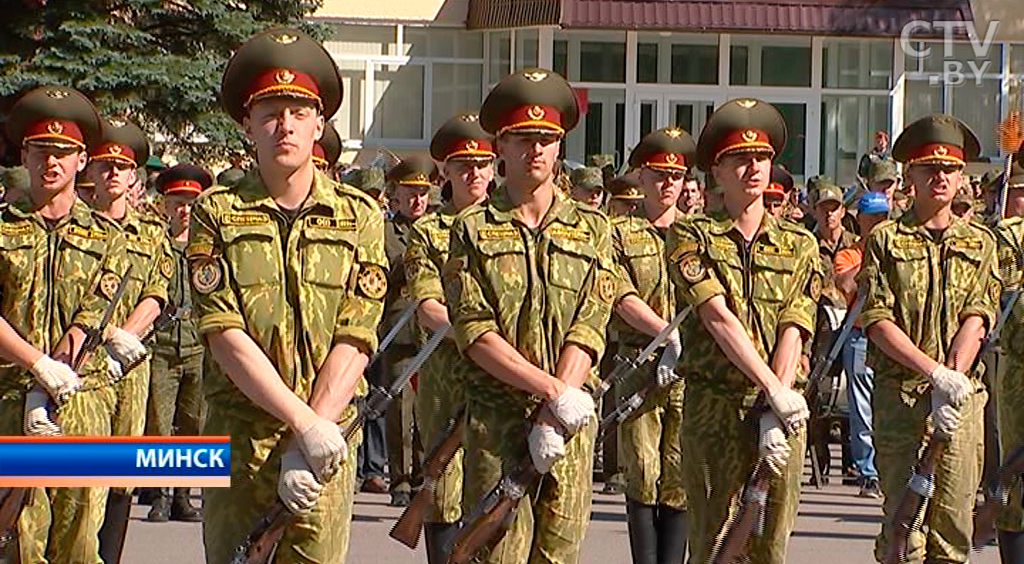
(872, 209)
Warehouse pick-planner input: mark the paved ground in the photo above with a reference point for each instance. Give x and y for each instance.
(834, 524)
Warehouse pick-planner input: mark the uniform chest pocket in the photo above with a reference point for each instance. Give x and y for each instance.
(963, 267)
(911, 269)
(504, 262)
(569, 262)
(17, 253)
(80, 256)
(728, 266)
(327, 256)
(140, 253)
(645, 263)
(775, 277)
(253, 253)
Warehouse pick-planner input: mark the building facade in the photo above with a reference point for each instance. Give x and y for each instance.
(838, 71)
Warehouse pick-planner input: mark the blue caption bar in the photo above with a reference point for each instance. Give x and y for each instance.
(115, 456)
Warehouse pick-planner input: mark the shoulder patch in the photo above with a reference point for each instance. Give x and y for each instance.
(995, 291)
(605, 286)
(814, 285)
(167, 267)
(207, 274)
(691, 268)
(373, 281)
(685, 247)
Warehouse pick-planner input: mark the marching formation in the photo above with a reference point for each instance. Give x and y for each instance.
(252, 307)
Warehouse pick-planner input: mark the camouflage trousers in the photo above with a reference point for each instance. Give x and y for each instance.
(61, 525)
(403, 441)
(720, 450)
(902, 419)
(318, 537)
(552, 518)
(439, 396)
(651, 451)
(175, 394)
(1009, 397)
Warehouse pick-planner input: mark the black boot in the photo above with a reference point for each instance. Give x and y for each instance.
(1011, 547)
(161, 510)
(671, 535)
(643, 534)
(182, 509)
(147, 495)
(439, 537)
(115, 527)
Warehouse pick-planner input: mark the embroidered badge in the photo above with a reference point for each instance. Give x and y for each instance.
(692, 269)
(167, 267)
(108, 284)
(373, 282)
(995, 290)
(606, 287)
(206, 274)
(814, 286)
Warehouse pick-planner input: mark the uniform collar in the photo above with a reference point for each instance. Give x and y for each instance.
(81, 214)
(909, 223)
(562, 209)
(251, 194)
(770, 227)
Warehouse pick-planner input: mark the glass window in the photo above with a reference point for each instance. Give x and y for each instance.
(527, 41)
(602, 61)
(398, 90)
(443, 42)
(989, 60)
(456, 89)
(349, 119)
(978, 106)
(560, 57)
(848, 124)
(694, 64)
(921, 99)
(857, 64)
(1017, 60)
(600, 130)
(500, 55)
(771, 61)
(361, 40)
(647, 62)
(794, 153)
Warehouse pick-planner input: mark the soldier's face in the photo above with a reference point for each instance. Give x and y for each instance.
(887, 186)
(530, 156)
(744, 173)
(52, 169)
(284, 131)
(470, 178)
(936, 182)
(591, 196)
(178, 211)
(113, 179)
(411, 201)
(830, 214)
(661, 186)
(690, 197)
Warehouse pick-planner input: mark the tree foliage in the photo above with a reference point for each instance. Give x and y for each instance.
(156, 62)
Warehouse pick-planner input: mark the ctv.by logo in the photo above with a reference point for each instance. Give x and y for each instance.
(952, 70)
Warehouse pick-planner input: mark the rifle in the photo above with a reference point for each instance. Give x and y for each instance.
(749, 520)
(494, 513)
(407, 529)
(259, 546)
(163, 321)
(817, 374)
(623, 410)
(997, 498)
(920, 488)
(17, 498)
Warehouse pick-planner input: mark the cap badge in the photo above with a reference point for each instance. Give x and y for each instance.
(115, 149)
(469, 117)
(57, 94)
(535, 112)
(472, 145)
(631, 192)
(746, 103)
(419, 177)
(284, 76)
(674, 132)
(749, 136)
(672, 158)
(941, 151)
(117, 123)
(535, 76)
(55, 127)
(285, 38)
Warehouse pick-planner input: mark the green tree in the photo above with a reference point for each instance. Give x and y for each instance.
(156, 62)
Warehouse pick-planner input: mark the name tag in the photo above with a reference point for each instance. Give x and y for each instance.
(86, 233)
(571, 234)
(497, 234)
(244, 218)
(333, 223)
(20, 228)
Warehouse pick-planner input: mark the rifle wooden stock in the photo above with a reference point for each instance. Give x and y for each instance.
(487, 530)
(910, 512)
(407, 528)
(996, 500)
(748, 520)
(259, 546)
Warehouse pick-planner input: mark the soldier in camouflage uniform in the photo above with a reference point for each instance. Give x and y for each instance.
(529, 286)
(587, 186)
(409, 184)
(59, 270)
(115, 160)
(175, 391)
(754, 281)
(625, 194)
(650, 438)
(467, 154)
(1009, 386)
(288, 275)
(932, 289)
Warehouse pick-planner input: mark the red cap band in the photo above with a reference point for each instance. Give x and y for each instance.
(671, 161)
(183, 186)
(526, 117)
(936, 152)
(744, 140)
(55, 129)
(114, 152)
(283, 82)
(470, 148)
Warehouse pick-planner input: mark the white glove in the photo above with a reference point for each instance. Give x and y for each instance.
(945, 417)
(665, 372)
(125, 347)
(57, 378)
(546, 447)
(790, 406)
(572, 409)
(324, 447)
(114, 370)
(297, 487)
(37, 418)
(954, 386)
(772, 446)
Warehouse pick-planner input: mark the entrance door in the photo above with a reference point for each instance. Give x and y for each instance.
(657, 110)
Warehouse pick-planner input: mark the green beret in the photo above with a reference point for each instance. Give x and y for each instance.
(588, 177)
(668, 148)
(417, 170)
(530, 101)
(741, 125)
(121, 141)
(462, 138)
(327, 150)
(938, 138)
(54, 116)
(280, 62)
